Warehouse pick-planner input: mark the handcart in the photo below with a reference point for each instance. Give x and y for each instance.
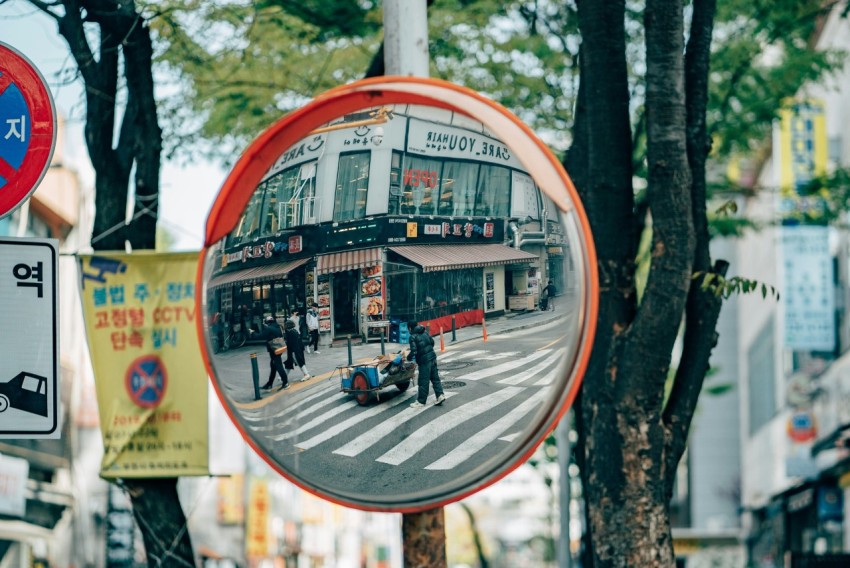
(365, 380)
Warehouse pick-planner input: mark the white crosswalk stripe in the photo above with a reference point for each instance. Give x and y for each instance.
(358, 418)
(439, 426)
(505, 367)
(374, 435)
(535, 371)
(486, 436)
(320, 419)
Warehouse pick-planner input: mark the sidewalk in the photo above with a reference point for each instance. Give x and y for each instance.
(323, 365)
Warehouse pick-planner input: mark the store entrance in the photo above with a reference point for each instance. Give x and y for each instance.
(344, 285)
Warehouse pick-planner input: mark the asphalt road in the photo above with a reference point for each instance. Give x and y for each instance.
(387, 450)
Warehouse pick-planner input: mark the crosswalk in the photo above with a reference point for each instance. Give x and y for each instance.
(512, 386)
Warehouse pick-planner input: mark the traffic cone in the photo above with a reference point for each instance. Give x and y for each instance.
(484, 330)
(442, 342)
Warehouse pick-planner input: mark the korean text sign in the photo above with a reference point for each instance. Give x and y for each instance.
(151, 384)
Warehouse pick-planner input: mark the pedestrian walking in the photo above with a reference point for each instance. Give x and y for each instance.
(313, 328)
(548, 294)
(295, 349)
(273, 336)
(422, 349)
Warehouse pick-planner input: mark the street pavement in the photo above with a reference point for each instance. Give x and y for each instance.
(236, 375)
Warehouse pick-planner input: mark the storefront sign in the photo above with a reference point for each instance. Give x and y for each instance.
(295, 244)
(443, 141)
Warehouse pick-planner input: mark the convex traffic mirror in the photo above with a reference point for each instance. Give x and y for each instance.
(382, 209)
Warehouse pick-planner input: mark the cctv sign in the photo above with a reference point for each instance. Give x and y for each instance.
(29, 352)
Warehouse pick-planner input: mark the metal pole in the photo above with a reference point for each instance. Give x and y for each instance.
(255, 376)
(454, 329)
(406, 37)
(562, 436)
(383, 351)
(406, 53)
(350, 359)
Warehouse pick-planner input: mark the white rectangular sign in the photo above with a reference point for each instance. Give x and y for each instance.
(808, 291)
(29, 373)
(13, 482)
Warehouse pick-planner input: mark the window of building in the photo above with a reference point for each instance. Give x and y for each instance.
(420, 186)
(761, 368)
(352, 186)
(493, 193)
(457, 195)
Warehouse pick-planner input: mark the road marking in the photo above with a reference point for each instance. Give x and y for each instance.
(302, 412)
(509, 437)
(258, 414)
(504, 367)
(381, 431)
(462, 355)
(534, 371)
(554, 342)
(356, 419)
(487, 435)
(320, 419)
(504, 355)
(439, 426)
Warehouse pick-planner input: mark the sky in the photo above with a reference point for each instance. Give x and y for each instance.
(186, 192)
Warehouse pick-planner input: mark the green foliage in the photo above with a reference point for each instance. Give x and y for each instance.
(823, 201)
(719, 285)
(762, 54)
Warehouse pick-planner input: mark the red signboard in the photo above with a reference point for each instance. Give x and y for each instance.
(27, 128)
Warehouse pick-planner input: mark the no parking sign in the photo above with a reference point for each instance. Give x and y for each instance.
(27, 128)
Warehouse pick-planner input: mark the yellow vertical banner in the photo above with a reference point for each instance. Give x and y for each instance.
(803, 144)
(149, 374)
(257, 541)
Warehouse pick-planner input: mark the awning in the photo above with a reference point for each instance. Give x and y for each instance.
(449, 257)
(258, 273)
(348, 260)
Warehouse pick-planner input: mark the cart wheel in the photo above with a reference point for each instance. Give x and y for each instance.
(360, 383)
(402, 386)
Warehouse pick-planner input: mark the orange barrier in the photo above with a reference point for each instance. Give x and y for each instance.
(442, 341)
(484, 330)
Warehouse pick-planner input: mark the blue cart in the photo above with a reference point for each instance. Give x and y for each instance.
(365, 380)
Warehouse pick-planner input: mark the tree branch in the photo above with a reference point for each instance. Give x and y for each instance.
(703, 306)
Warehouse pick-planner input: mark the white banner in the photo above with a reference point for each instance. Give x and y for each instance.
(808, 291)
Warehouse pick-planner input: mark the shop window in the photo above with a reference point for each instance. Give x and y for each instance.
(457, 191)
(352, 186)
(493, 192)
(248, 227)
(289, 199)
(420, 186)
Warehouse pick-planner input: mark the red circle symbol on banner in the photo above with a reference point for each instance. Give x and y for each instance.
(27, 128)
(146, 381)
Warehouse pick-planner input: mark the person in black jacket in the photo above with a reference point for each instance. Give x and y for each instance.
(422, 348)
(295, 349)
(271, 330)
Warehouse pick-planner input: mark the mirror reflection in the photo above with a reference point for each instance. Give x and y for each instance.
(385, 225)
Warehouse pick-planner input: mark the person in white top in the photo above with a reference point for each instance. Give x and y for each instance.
(313, 328)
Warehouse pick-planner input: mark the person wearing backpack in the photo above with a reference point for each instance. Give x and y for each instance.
(422, 349)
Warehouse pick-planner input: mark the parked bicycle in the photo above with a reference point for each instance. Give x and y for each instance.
(236, 338)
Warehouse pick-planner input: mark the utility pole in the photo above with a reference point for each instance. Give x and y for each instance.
(562, 437)
(406, 53)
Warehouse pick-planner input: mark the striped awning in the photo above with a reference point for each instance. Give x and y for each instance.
(258, 273)
(449, 257)
(348, 260)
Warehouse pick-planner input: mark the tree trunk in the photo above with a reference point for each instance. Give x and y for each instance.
(424, 537)
(139, 143)
(162, 523)
(625, 435)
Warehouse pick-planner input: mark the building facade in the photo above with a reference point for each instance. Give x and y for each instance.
(387, 216)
